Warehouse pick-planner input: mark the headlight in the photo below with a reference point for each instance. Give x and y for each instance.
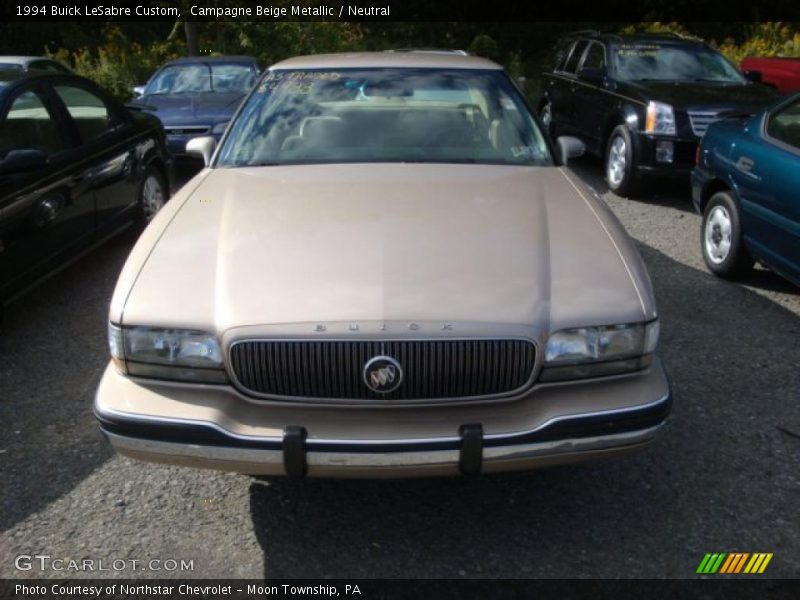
(166, 353)
(596, 351)
(220, 128)
(660, 119)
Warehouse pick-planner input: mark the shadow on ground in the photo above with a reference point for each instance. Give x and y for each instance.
(671, 192)
(52, 352)
(723, 476)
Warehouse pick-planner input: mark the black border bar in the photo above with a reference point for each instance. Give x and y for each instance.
(708, 588)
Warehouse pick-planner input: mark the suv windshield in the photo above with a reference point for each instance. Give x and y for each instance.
(384, 115)
(202, 77)
(654, 62)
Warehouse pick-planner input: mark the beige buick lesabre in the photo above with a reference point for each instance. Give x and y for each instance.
(383, 270)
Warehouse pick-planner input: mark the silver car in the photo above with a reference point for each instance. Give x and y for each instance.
(384, 270)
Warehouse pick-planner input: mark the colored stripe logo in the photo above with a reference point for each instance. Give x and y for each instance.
(734, 563)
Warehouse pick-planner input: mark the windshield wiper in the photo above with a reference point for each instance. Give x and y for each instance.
(707, 80)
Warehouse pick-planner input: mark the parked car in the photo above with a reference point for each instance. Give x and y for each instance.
(781, 73)
(642, 102)
(31, 63)
(196, 96)
(75, 168)
(746, 186)
(383, 271)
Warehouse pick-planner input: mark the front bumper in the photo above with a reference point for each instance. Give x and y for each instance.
(683, 157)
(215, 427)
(699, 179)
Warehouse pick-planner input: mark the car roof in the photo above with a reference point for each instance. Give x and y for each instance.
(23, 60)
(189, 60)
(9, 77)
(426, 59)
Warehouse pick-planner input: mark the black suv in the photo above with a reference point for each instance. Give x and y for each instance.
(642, 102)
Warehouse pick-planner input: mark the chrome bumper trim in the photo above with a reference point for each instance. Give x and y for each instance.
(436, 458)
(109, 412)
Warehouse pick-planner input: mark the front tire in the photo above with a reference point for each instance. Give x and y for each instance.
(620, 162)
(721, 238)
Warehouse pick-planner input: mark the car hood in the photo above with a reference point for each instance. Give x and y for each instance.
(709, 96)
(400, 243)
(185, 108)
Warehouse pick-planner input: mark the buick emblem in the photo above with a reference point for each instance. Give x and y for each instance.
(383, 374)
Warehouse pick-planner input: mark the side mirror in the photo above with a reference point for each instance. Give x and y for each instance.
(23, 159)
(754, 76)
(592, 75)
(203, 147)
(138, 91)
(570, 147)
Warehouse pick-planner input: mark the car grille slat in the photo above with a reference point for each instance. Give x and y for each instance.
(700, 120)
(332, 370)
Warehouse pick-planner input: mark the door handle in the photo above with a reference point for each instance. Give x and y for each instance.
(745, 163)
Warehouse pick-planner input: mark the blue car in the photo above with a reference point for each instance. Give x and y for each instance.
(196, 96)
(747, 187)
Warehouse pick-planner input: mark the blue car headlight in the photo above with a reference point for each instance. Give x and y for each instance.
(219, 128)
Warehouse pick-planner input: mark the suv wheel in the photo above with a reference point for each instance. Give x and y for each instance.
(723, 249)
(620, 167)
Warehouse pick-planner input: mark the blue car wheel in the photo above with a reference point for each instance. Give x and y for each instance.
(721, 237)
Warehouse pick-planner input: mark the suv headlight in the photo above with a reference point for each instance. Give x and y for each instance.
(182, 355)
(597, 351)
(660, 119)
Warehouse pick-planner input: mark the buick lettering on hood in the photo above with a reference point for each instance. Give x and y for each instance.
(385, 269)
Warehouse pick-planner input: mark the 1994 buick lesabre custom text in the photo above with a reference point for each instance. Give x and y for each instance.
(383, 271)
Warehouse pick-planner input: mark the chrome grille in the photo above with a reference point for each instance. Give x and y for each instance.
(432, 369)
(700, 121)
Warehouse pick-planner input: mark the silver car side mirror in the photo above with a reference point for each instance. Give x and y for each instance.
(570, 147)
(203, 147)
(138, 91)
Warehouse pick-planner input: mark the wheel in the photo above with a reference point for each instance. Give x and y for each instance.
(546, 115)
(721, 240)
(152, 196)
(620, 162)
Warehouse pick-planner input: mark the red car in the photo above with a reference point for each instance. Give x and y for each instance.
(780, 73)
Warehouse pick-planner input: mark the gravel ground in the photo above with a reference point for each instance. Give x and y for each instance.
(723, 477)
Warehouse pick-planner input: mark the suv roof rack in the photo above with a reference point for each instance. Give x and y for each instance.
(674, 35)
(593, 32)
(431, 51)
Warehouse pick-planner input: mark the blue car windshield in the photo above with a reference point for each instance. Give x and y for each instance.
(384, 115)
(655, 62)
(202, 77)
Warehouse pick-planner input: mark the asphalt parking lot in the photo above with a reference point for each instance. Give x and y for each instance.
(724, 477)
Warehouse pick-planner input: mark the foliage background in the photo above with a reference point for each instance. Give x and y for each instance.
(123, 54)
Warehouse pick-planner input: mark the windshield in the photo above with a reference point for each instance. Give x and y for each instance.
(651, 62)
(384, 115)
(202, 77)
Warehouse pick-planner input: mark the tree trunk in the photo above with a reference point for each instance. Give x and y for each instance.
(192, 48)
